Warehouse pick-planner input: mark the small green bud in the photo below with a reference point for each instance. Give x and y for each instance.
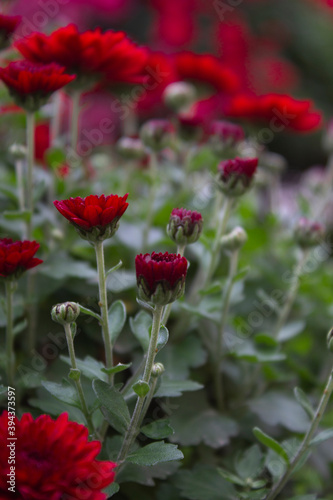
(158, 370)
(65, 313)
(18, 151)
(308, 234)
(179, 95)
(234, 240)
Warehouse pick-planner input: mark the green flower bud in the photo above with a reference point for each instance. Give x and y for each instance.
(18, 151)
(65, 313)
(184, 226)
(179, 95)
(308, 234)
(157, 370)
(157, 134)
(234, 240)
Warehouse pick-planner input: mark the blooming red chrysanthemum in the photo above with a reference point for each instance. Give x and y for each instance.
(280, 111)
(235, 176)
(53, 460)
(32, 84)
(160, 277)
(95, 217)
(17, 257)
(206, 69)
(184, 226)
(90, 55)
(8, 25)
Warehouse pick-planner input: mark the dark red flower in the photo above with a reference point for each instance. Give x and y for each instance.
(8, 25)
(17, 257)
(32, 84)
(95, 217)
(90, 55)
(53, 460)
(235, 176)
(184, 226)
(279, 111)
(206, 69)
(160, 277)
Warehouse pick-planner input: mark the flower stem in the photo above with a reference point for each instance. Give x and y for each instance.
(223, 220)
(77, 381)
(30, 161)
(10, 288)
(304, 446)
(103, 303)
(225, 309)
(151, 199)
(133, 428)
(284, 312)
(76, 95)
(167, 309)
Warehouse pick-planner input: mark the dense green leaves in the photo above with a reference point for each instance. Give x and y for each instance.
(155, 453)
(204, 482)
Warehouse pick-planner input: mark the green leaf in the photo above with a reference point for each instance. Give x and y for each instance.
(18, 214)
(140, 326)
(117, 319)
(65, 393)
(271, 443)
(175, 388)
(141, 388)
(55, 157)
(87, 311)
(241, 274)
(111, 490)
(204, 483)
(120, 281)
(89, 367)
(114, 407)
(3, 389)
(290, 330)
(20, 327)
(163, 337)
(61, 266)
(155, 453)
(120, 367)
(250, 464)
(304, 401)
(322, 436)
(159, 429)
(114, 268)
(232, 478)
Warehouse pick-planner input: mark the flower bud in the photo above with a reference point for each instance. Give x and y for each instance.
(157, 370)
(234, 240)
(179, 95)
(190, 128)
(235, 177)
(308, 234)
(18, 151)
(131, 148)
(184, 226)
(224, 135)
(156, 134)
(65, 313)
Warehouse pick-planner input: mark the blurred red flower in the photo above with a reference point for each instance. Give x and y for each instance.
(17, 257)
(8, 25)
(54, 460)
(42, 141)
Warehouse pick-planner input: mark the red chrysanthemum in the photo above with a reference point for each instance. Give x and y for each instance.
(206, 69)
(8, 25)
(32, 84)
(279, 111)
(53, 460)
(160, 277)
(90, 55)
(184, 226)
(235, 176)
(17, 257)
(95, 217)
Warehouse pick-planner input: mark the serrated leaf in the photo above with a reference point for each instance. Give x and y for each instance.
(120, 367)
(203, 483)
(155, 453)
(175, 388)
(160, 429)
(117, 319)
(304, 401)
(116, 410)
(89, 367)
(271, 443)
(232, 478)
(322, 436)
(290, 330)
(141, 388)
(65, 393)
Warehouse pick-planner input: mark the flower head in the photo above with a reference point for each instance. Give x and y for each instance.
(8, 25)
(32, 84)
(235, 176)
(91, 55)
(308, 233)
(17, 257)
(184, 226)
(225, 135)
(160, 277)
(54, 460)
(94, 217)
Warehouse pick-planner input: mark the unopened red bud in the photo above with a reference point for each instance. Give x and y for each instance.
(235, 177)
(224, 135)
(308, 233)
(184, 226)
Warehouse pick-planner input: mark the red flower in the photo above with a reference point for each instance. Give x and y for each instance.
(235, 176)
(53, 460)
(8, 25)
(184, 226)
(42, 141)
(32, 84)
(206, 69)
(17, 257)
(280, 111)
(160, 277)
(95, 217)
(89, 55)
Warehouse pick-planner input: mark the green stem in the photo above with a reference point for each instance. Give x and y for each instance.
(76, 95)
(223, 221)
(167, 309)
(148, 400)
(224, 315)
(304, 446)
(291, 296)
(30, 162)
(133, 428)
(84, 407)
(10, 287)
(151, 199)
(103, 303)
